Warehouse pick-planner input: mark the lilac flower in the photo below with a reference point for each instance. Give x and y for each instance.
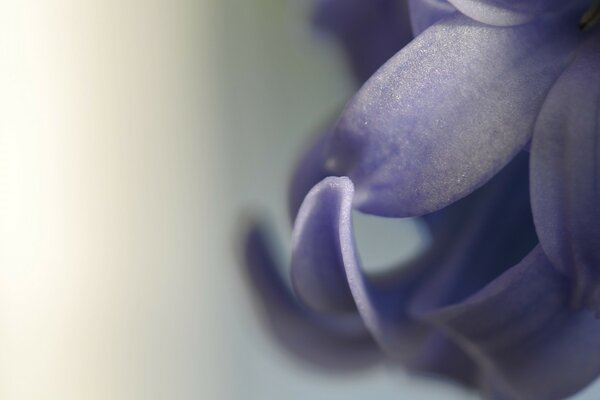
(487, 125)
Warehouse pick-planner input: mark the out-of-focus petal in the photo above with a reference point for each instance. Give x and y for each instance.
(370, 31)
(507, 12)
(309, 170)
(424, 13)
(525, 335)
(338, 342)
(447, 112)
(565, 174)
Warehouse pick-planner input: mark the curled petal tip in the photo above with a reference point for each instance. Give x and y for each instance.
(317, 271)
(334, 259)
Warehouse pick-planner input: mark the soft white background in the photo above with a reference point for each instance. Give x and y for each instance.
(133, 134)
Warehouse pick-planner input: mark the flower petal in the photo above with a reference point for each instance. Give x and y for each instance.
(447, 112)
(449, 270)
(380, 303)
(565, 170)
(339, 342)
(317, 271)
(370, 31)
(525, 335)
(424, 13)
(507, 12)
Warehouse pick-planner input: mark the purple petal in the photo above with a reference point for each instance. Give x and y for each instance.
(524, 334)
(463, 241)
(317, 271)
(318, 279)
(370, 31)
(565, 171)
(507, 12)
(424, 13)
(338, 342)
(447, 112)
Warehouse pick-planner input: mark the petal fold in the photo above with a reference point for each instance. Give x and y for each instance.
(565, 174)
(447, 112)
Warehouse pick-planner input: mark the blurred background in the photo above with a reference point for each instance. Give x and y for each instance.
(133, 136)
